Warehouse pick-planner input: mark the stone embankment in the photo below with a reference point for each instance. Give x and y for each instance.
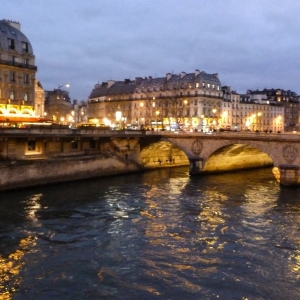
(22, 174)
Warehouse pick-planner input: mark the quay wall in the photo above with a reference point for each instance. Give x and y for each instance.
(21, 174)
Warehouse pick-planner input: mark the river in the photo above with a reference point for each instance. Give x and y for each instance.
(155, 235)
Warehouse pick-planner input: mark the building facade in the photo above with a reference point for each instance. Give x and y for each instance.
(279, 97)
(191, 100)
(17, 73)
(194, 101)
(39, 103)
(58, 107)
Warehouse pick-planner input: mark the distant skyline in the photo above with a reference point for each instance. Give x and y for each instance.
(250, 44)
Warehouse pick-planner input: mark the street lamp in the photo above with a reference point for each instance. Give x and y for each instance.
(258, 120)
(214, 121)
(157, 114)
(66, 85)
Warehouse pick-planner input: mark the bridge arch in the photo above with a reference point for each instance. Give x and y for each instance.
(236, 157)
(163, 153)
(264, 150)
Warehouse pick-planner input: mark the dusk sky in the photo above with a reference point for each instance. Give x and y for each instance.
(251, 44)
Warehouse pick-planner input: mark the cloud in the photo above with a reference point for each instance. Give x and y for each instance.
(250, 44)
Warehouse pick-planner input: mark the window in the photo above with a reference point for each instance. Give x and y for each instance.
(11, 44)
(12, 76)
(92, 144)
(26, 78)
(74, 144)
(26, 62)
(24, 47)
(12, 95)
(25, 96)
(31, 145)
(197, 84)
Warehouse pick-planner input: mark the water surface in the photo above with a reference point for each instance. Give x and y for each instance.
(157, 235)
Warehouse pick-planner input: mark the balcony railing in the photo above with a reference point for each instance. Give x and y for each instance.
(17, 64)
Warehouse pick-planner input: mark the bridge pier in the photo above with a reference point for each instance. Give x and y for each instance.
(287, 175)
(196, 165)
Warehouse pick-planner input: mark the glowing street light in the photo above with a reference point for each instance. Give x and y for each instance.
(157, 114)
(66, 85)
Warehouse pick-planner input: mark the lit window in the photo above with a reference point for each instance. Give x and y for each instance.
(31, 145)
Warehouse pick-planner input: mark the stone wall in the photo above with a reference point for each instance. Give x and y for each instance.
(38, 172)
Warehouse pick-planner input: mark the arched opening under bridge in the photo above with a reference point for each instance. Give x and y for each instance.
(163, 154)
(236, 157)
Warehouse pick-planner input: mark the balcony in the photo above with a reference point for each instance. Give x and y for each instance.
(17, 64)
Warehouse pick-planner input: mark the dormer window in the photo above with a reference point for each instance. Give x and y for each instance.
(24, 47)
(11, 44)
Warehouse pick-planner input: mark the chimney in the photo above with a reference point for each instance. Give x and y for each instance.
(182, 74)
(138, 80)
(197, 72)
(13, 24)
(110, 83)
(216, 75)
(169, 75)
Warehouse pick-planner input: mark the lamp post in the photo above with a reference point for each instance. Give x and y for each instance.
(259, 120)
(214, 121)
(185, 103)
(153, 107)
(202, 123)
(66, 85)
(141, 114)
(157, 114)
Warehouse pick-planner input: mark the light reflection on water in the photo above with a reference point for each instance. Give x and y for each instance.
(159, 235)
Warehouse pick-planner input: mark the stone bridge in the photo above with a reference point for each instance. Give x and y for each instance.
(225, 151)
(204, 153)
